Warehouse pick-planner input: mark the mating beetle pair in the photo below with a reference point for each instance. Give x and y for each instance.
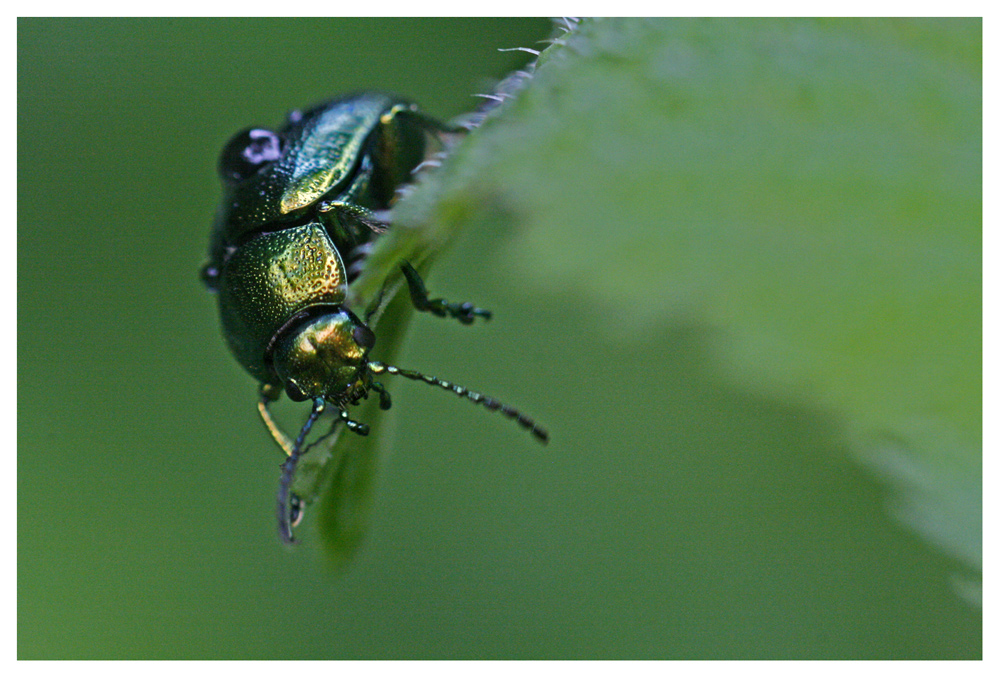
(298, 218)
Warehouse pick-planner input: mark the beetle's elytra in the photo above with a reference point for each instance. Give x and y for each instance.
(298, 217)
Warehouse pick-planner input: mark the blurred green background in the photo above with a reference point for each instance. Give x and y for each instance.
(679, 512)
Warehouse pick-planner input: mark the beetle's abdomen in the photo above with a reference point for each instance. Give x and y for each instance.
(268, 280)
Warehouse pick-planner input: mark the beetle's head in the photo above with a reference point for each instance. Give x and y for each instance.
(325, 357)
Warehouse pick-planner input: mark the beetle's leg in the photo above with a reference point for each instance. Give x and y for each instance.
(447, 133)
(268, 394)
(464, 312)
(353, 229)
(355, 213)
(289, 505)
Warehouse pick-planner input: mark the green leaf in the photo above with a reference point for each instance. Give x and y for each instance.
(812, 189)
(345, 506)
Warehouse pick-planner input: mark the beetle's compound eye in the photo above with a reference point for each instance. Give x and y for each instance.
(247, 152)
(294, 392)
(363, 337)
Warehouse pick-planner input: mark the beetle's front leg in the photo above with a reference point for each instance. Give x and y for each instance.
(268, 394)
(464, 312)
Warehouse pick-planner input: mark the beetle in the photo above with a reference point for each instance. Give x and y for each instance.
(302, 207)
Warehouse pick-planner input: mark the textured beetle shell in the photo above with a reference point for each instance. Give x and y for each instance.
(268, 267)
(322, 150)
(269, 280)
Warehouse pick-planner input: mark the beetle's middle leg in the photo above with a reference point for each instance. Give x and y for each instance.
(464, 312)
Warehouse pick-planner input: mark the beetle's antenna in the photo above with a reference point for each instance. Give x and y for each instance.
(290, 508)
(384, 399)
(489, 403)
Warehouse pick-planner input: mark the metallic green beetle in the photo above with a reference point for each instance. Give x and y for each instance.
(298, 217)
